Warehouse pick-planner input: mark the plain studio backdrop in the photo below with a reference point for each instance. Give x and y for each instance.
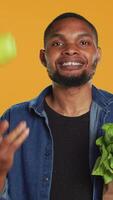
(24, 77)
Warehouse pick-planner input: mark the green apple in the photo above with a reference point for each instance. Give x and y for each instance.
(7, 48)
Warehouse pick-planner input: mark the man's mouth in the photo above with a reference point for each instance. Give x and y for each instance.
(71, 65)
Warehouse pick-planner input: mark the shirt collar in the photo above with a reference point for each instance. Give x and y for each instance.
(102, 98)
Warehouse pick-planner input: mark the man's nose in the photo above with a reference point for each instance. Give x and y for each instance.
(71, 50)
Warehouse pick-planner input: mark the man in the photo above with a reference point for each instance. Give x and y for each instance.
(56, 160)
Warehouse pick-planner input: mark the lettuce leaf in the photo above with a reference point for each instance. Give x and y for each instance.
(104, 163)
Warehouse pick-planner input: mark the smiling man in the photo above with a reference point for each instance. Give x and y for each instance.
(56, 160)
(71, 51)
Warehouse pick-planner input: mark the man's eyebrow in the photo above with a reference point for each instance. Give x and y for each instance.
(83, 34)
(53, 35)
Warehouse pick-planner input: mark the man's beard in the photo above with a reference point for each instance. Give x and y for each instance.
(73, 81)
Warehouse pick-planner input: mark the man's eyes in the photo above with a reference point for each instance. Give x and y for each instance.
(85, 43)
(55, 44)
(82, 43)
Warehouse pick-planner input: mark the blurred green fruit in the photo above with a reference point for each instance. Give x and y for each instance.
(7, 48)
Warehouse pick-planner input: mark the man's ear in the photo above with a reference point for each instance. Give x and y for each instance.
(42, 57)
(99, 54)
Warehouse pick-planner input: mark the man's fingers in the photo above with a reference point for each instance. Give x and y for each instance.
(16, 132)
(9, 144)
(3, 126)
(19, 140)
(1, 139)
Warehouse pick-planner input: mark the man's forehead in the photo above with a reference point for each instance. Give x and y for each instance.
(78, 34)
(71, 21)
(69, 24)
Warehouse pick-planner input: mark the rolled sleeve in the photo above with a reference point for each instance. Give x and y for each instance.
(4, 194)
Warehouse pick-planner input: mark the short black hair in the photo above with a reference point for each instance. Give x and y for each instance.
(68, 15)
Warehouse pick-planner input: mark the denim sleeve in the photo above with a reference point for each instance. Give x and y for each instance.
(4, 194)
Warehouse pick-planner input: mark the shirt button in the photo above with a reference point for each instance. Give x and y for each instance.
(47, 153)
(46, 179)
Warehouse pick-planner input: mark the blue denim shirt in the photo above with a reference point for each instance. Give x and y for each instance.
(31, 175)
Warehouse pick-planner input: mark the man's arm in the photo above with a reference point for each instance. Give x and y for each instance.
(8, 146)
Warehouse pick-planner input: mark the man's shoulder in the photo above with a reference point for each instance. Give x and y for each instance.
(98, 91)
(20, 106)
(16, 110)
(102, 97)
(33, 103)
(105, 93)
(24, 108)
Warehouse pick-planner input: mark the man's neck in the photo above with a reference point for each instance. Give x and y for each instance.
(73, 101)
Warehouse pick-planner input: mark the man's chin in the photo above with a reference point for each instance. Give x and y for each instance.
(70, 81)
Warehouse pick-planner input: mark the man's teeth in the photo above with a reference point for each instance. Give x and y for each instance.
(72, 63)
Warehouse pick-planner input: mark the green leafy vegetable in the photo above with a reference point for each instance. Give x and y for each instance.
(104, 163)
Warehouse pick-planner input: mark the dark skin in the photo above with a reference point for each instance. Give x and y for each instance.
(8, 147)
(71, 41)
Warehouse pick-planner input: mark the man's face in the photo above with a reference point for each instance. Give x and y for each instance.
(71, 53)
